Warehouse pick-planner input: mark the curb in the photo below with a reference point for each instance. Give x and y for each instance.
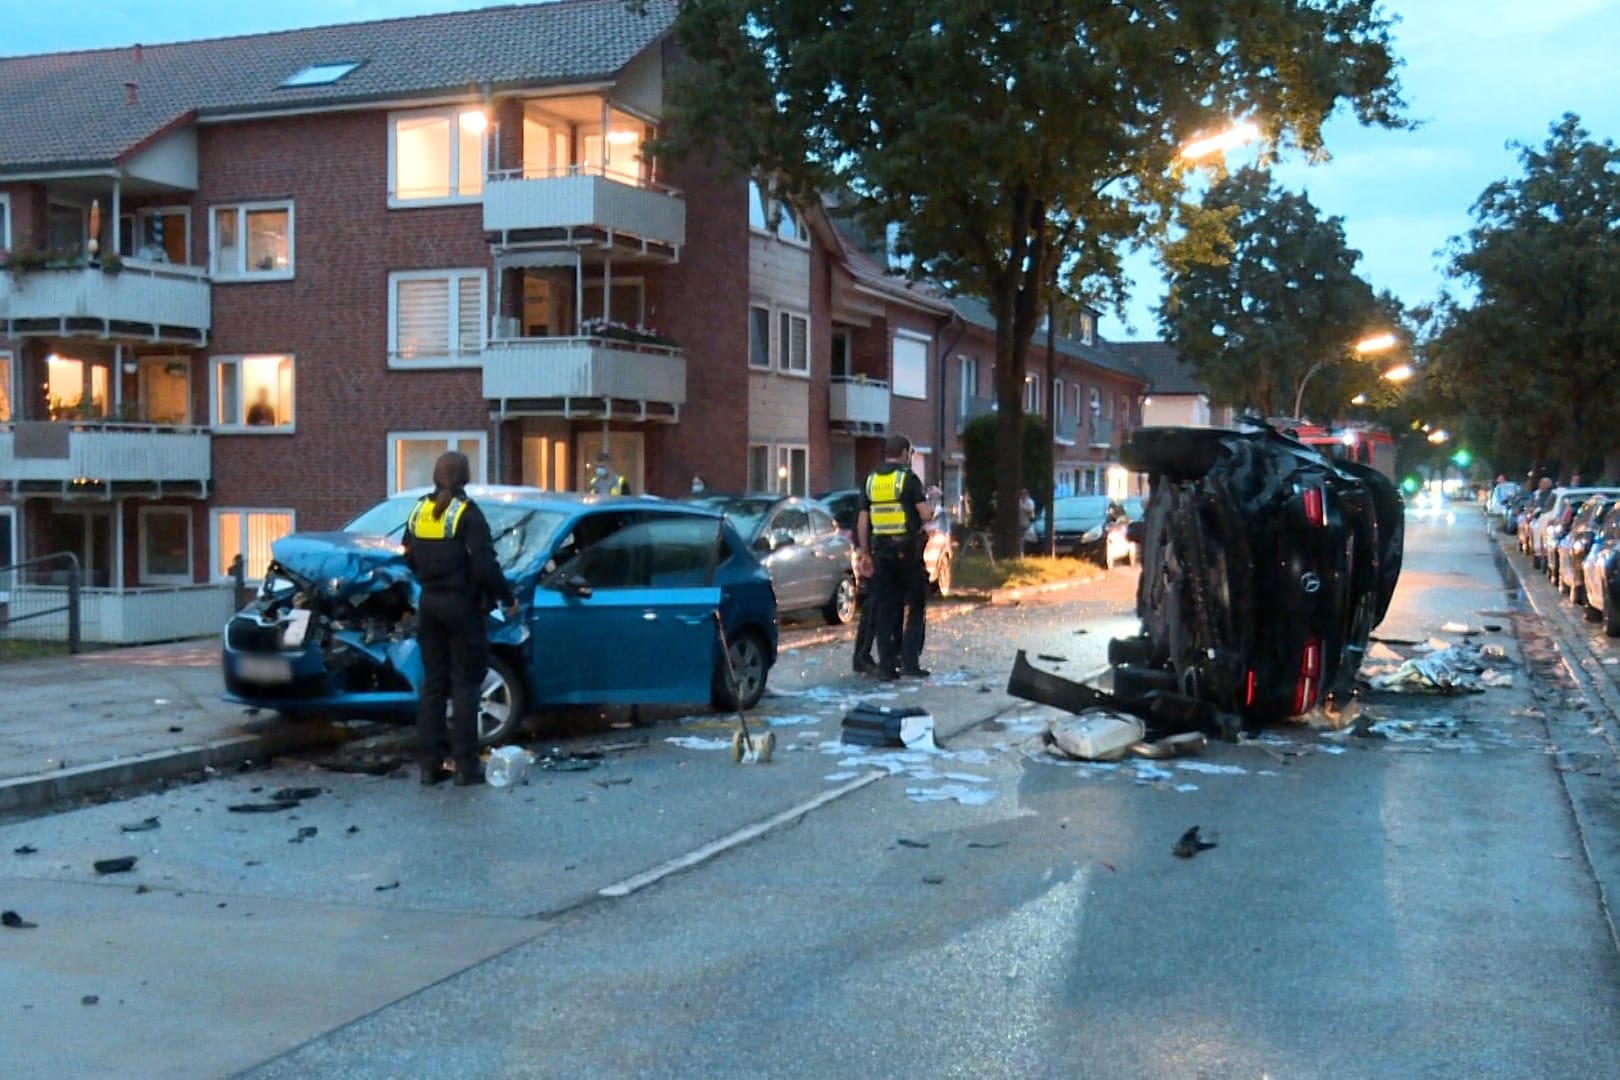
(43, 790)
(832, 635)
(1025, 592)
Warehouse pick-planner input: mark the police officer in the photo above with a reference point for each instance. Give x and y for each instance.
(448, 548)
(889, 537)
(605, 481)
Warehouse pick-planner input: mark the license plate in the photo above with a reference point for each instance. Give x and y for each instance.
(263, 669)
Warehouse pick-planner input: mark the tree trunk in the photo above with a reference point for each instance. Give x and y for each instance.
(1016, 296)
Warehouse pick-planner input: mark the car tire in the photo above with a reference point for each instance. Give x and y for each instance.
(942, 575)
(1130, 650)
(502, 703)
(748, 662)
(1178, 452)
(842, 607)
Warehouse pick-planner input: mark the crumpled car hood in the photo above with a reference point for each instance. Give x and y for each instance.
(343, 564)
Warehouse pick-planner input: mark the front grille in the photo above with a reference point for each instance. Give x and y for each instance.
(247, 634)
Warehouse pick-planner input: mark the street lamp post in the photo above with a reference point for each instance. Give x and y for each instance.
(1377, 343)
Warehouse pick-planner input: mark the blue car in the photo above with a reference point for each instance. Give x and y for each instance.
(617, 606)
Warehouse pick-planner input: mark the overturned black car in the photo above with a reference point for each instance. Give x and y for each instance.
(1265, 566)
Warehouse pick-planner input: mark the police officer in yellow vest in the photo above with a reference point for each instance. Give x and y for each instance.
(889, 537)
(604, 481)
(448, 548)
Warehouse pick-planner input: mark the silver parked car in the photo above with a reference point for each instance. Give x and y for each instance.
(810, 561)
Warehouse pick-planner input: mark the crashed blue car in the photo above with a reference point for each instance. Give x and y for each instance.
(617, 606)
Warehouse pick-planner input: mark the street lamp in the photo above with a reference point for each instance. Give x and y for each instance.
(1220, 142)
(1359, 399)
(1377, 343)
(1399, 373)
(1438, 436)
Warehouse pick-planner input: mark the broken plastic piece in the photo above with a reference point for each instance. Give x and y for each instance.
(119, 865)
(25, 849)
(1190, 844)
(146, 825)
(1095, 735)
(13, 921)
(260, 807)
(295, 794)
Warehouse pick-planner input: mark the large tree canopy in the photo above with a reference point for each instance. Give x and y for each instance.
(1534, 360)
(1278, 309)
(1015, 144)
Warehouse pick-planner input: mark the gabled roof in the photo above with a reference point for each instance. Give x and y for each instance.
(1100, 353)
(1162, 368)
(66, 110)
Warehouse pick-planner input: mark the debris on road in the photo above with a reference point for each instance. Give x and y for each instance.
(963, 793)
(13, 921)
(903, 842)
(90, 999)
(364, 766)
(933, 879)
(880, 725)
(555, 760)
(386, 888)
(25, 849)
(261, 807)
(1094, 735)
(508, 766)
(145, 825)
(612, 781)
(1463, 667)
(304, 833)
(1184, 744)
(1190, 844)
(698, 742)
(120, 865)
(1052, 659)
(295, 794)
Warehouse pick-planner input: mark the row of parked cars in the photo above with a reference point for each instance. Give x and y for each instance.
(1573, 535)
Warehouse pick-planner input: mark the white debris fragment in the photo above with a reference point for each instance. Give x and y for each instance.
(698, 742)
(1184, 788)
(1209, 768)
(1094, 735)
(792, 720)
(1492, 678)
(1330, 749)
(1458, 628)
(917, 732)
(961, 793)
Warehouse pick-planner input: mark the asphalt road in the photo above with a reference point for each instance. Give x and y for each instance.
(1424, 904)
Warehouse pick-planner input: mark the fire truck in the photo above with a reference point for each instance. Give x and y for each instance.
(1367, 444)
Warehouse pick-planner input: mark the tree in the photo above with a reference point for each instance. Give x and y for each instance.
(1278, 309)
(1013, 146)
(980, 445)
(1534, 360)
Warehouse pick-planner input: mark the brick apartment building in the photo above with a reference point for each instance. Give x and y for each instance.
(255, 284)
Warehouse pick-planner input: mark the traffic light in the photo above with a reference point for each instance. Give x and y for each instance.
(1409, 485)
(1461, 458)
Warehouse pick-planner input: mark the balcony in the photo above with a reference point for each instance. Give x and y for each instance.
(1068, 428)
(148, 301)
(859, 405)
(585, 377)
(575, 208)
(973, 408)
(100, 458)
(1102, 433)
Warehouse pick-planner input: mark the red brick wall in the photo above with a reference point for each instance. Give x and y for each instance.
(333, 315)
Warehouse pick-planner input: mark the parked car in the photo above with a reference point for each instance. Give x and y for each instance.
(938, 554)
(1496, 502)
(1512, 509)
(1600, 576)
(1573, 545)
(1085, 526)
(617, 601)
(810, 561)
(1265, 567)
(1547, 528)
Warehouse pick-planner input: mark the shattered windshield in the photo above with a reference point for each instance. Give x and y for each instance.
(521, 533)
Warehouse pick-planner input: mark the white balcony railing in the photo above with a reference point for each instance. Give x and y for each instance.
(575, 368)
(572, 201)
(122, 616)
(103, 453)
(859, 403)
(143, 299)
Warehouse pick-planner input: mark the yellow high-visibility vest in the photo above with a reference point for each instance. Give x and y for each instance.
(424, 526)
(888, 513)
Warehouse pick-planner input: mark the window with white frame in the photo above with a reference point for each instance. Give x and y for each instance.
(5, 222)
(768, 214)
(792, 470)
(241, 532)
(759, 336)
(1108, 406)
(251, 241)
(1088, 328)
(969, 389)
(1096, 403)
(793, 344)
(910, 360)
(1032, 395)
(251, 393)
(435, 317)
(5, 388)
(436, 156)
(165, 545)
(1057, 400)
(411, 455)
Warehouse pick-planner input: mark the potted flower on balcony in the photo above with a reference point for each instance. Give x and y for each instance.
(634, 334)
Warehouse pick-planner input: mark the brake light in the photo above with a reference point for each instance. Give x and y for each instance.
(1314, 516)
(1310, 658)
(1248, 692)
(1310, 671)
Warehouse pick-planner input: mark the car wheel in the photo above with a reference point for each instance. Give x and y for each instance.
(502, 703)
(1178, 452)
(841, 608)
(942, 575)
(1577, 594)
(748, 665)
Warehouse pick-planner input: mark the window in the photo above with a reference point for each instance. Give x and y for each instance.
(1108, 407)
(1088, 328)
(626, 303)
(910, 365)
(252, 393)
(8, 539)
(769, 214)
(759, 467)
(969, 367)
(247, 534)
(5, 391)
(159, 234)
(664, 552)
(76, 389)
(840, 355)
(759, 337)
(1032, 395)
(436, 156)
(1057, 399)
(319, 74)
(253, 241)
(1096, 404)
(88, 534)
(165, 545)
(411, 456)
(793, 520)
(794, 343)
(5, 222)
(792, 470)
(435, 317)
(66, 228)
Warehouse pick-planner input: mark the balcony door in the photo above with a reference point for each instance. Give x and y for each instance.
(163, 390)
(88, 535)
(565, 134)
(157, 235)
(77, 388)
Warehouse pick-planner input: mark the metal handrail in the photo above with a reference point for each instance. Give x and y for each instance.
(75, 577)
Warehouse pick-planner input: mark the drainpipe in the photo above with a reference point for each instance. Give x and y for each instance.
(944, 352)
(117, 213)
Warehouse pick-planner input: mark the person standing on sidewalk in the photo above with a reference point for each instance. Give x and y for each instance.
(448, 548)
(889, 533)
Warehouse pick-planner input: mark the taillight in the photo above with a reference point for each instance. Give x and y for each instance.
(1310, 673)
(1248, 693)
(1312, 497)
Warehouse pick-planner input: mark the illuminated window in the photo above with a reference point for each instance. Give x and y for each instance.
(435, 317)
(436, 156)
(411, 456)
(5, 390)
(248, 534)
(910, 365)
(252, 393)
(76, 389)
(252, 242)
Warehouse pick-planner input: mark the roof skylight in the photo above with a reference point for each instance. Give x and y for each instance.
(320, 74)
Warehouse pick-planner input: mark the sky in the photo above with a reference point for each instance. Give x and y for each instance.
(1478, 74)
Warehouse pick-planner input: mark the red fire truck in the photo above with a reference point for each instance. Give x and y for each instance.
(1368, 444)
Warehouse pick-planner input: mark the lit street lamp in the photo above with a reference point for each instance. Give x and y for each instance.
(1438, 436)
(1220, 142)
(1366, 346)
(1399, 373)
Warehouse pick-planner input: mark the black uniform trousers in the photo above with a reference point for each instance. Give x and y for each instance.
(899, 604)
(455, 657)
